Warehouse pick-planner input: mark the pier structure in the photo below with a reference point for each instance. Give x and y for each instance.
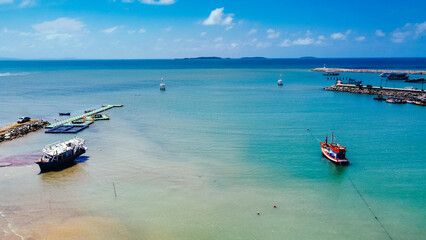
(85, 118)
(384, 91)
(323, 69)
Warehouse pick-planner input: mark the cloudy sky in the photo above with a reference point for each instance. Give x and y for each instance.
(152, 29)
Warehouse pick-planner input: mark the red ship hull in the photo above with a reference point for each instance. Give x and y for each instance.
(331, 155)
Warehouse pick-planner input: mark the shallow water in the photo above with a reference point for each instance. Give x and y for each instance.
(199, 160)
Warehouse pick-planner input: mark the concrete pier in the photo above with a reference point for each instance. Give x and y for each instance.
(423, 72)
(385, 91)
(69, 121)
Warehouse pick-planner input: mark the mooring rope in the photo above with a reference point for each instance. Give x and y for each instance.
(360, 195)
(368, 206)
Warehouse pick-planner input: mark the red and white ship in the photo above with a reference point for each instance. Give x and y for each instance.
(333, 151)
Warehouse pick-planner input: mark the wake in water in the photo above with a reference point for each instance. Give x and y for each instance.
(8, 74)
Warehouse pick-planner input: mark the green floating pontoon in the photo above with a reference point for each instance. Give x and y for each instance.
(80, 122)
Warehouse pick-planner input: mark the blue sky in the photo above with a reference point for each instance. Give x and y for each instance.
(152, 29)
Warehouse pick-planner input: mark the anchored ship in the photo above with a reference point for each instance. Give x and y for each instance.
(333, 151)
(58, 156)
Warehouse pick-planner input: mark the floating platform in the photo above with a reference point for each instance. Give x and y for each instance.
(84, 119)
(67, 129)
(367, 70)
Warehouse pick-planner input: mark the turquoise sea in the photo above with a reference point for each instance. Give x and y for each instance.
(223, 142)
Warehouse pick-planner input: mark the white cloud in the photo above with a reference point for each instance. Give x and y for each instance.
(177, 40)
(203, 34)
(142, 30)
(131, 31)
(157, 2)
(286, 43)
(272, 33)
(218, 39)
(380, 33)
(263, 44)
(59, 25)
(399, 36)
(303, 41)
(26, 3)
(409, 30)
(360, 39)
(6, 1)
(168, 29)
(420, 28)
(109, 30)
(61, 28)
(127, 1)
(320, 40)
(340, 36)
(217, 17)
(252, 31)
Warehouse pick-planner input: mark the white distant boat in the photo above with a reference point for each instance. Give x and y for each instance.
(280, 81)
(162, 85)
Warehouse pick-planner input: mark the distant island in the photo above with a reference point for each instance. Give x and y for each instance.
(253, 58)
(201, 58)
(307, 57)
(216, 58)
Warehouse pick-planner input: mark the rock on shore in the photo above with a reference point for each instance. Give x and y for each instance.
(22, 130)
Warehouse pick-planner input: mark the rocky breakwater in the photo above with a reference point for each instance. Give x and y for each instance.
(398, 92)
(15, 130)
(419, 72)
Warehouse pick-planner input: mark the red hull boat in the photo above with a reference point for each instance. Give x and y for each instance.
(334, 152)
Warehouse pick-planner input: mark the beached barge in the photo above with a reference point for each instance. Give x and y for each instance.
(367, 70)
(384, 91)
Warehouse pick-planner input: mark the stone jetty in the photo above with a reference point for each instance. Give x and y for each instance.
(423, 72)
(399, 92)
(16, 130)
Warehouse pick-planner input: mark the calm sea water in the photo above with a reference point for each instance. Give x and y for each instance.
(223, 142)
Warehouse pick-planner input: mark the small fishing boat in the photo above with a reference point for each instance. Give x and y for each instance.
(397, 76)
(330, 73)
(379, 98)
(64, 114)
(415, 80)
(333, 151)
(396, 100)
(420, 102)
(353, 81)
(58, 156)
(280, 81)
(384, 75)
(162, 85)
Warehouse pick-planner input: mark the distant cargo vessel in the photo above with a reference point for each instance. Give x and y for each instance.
(333, 151)
(58, 156)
